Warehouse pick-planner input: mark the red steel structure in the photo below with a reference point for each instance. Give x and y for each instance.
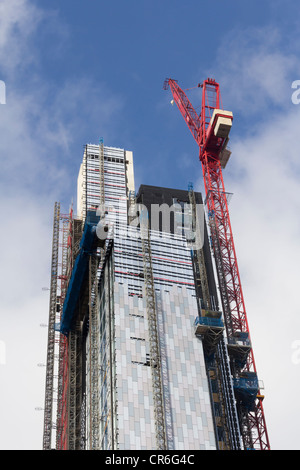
(62, 432)
(57, 389)
(212, 146)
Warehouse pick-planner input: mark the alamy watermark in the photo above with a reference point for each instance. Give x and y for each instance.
(164, 221)
(2, 92)
(296, 94)
(2, 353)
(296, 354)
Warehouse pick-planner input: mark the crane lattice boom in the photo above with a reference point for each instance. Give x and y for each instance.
(210, 129)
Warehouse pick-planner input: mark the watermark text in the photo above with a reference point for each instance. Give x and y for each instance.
(296, 353)
(162, 219)
(2, 92)
(2, 353)
(296, 94)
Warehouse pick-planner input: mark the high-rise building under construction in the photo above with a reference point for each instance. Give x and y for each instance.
(137, 353)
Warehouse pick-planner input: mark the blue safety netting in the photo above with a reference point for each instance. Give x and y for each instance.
(79, 272)
(209, 321)
(246, 388)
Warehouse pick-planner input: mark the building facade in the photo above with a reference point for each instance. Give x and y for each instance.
(143, 361)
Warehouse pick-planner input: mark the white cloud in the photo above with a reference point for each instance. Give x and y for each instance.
(21, 380)
(18, 21)
(25, 247)
(255, 70)
(25, 253)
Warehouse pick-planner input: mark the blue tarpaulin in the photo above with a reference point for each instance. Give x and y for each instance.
(209, 321)
(246, 388)
(79, 272)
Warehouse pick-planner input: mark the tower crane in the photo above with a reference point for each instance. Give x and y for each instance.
(210, 130)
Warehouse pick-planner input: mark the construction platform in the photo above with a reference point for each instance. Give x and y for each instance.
(210, 327)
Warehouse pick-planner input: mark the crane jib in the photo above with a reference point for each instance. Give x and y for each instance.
(211, 131)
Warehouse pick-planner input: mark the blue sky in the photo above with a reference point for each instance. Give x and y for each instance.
(79, 70)
(97, 69)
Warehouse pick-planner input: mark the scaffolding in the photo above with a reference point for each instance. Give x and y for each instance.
(74, 319)
(48, 411)
(107, 379)
(198, 253)
(231, 426)
(155, 359)
(165, 375)
(94, 353)
(63, 360)
(101, 176)
(63, 381)
(75, 388)
(209, 326)
(84, 184)
(81, 255)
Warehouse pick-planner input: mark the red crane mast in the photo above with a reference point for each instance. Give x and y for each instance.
(210, 129)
